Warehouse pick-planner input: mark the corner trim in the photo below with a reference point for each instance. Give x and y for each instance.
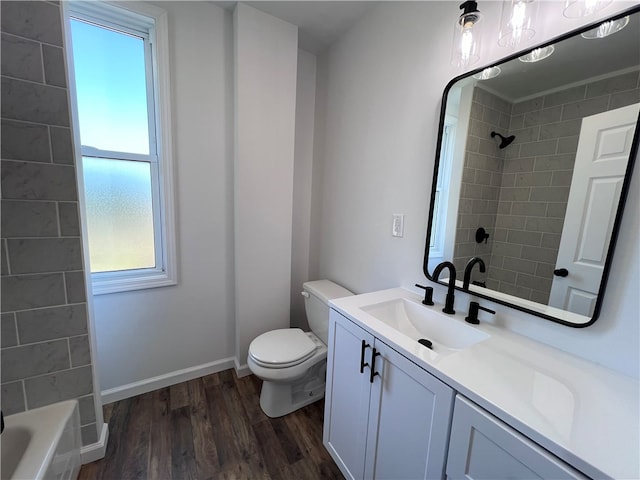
(95, 451)
(165, 380)
(241, 370)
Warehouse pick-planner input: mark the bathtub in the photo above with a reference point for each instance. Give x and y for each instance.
(43, 443)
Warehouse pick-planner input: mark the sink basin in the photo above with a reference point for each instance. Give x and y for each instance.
(418, 321)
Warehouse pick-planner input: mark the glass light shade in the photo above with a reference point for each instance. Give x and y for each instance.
(583, 8)
(466, 43)
(517, 22)
(606, 28)
(487, 73)
(537, 54)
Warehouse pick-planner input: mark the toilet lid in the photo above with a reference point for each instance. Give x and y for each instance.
(284, 347)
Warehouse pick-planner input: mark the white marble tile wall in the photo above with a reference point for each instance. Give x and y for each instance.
(45, 345)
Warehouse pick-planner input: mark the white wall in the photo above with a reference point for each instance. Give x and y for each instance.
(302, 185)
(265, 56)
(149, 333)
(383, 83)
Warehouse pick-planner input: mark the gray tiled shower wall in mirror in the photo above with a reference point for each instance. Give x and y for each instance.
(519, 194)
(45, 343)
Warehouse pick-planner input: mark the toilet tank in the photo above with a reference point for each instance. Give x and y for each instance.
(316, 303)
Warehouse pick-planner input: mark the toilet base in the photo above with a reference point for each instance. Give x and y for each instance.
(278, 399)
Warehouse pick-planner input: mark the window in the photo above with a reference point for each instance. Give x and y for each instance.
(121, 113)
(438, 225)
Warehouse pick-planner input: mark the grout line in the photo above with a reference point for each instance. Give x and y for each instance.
(31, 39)
(44, 75)
(50, 143)
(69, 352)
(39, 342)
(6, 255)
(57, 205)
(32, 82)
(48, 237)
(24, 394)
(64, 284)
(47, 307)
(30, 122)
(37, 163)
(15, 325)
(41, 375)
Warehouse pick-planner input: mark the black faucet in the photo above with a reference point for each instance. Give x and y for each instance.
(469, 267)
(448, 304)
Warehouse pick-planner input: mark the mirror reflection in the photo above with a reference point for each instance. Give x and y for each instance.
(533, 163)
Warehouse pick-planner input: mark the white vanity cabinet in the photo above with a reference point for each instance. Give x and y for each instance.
(385, 417)
(483, 447)
(522, 410)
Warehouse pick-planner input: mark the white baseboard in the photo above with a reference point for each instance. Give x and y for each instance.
(165, 380)
(95, 451)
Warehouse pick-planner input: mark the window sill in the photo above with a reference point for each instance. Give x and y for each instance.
(117, 282)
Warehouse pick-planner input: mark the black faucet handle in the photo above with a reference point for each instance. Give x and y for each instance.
(474, 307)
(428, 294)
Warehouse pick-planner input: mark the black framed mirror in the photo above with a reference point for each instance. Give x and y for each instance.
(532, 171)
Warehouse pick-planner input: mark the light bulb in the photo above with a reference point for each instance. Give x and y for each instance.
(466, 36)
(466, 44)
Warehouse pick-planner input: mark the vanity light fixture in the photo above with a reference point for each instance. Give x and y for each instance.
(466, 35)
(517, 22)
(487, 73)
(583, 8)
(606, 28)
(537, 54)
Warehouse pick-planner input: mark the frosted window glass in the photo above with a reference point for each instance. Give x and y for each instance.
(119, 214)
(111, 88)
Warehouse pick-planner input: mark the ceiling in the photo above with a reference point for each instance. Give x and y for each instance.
(319, 23)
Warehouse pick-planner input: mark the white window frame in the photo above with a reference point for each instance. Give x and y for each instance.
(151, 23)
(438, 224)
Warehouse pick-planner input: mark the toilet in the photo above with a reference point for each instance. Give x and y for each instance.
(291, 363)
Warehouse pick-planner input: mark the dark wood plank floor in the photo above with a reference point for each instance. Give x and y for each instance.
(211, 428)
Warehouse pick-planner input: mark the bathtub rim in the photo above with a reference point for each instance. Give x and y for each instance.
(45, 423)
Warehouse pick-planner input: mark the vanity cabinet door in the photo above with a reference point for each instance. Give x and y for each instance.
(409, 418)
(393, 424)
(483, 447)
(347, 395)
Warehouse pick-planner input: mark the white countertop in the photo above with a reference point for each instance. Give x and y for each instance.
(583, 413)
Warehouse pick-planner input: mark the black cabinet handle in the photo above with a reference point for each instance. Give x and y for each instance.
(561, 272)
(365, 345)
(373, 365)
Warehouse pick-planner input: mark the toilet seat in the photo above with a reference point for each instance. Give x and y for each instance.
(282, 348)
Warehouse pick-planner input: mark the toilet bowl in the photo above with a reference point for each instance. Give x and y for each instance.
(292, 363)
